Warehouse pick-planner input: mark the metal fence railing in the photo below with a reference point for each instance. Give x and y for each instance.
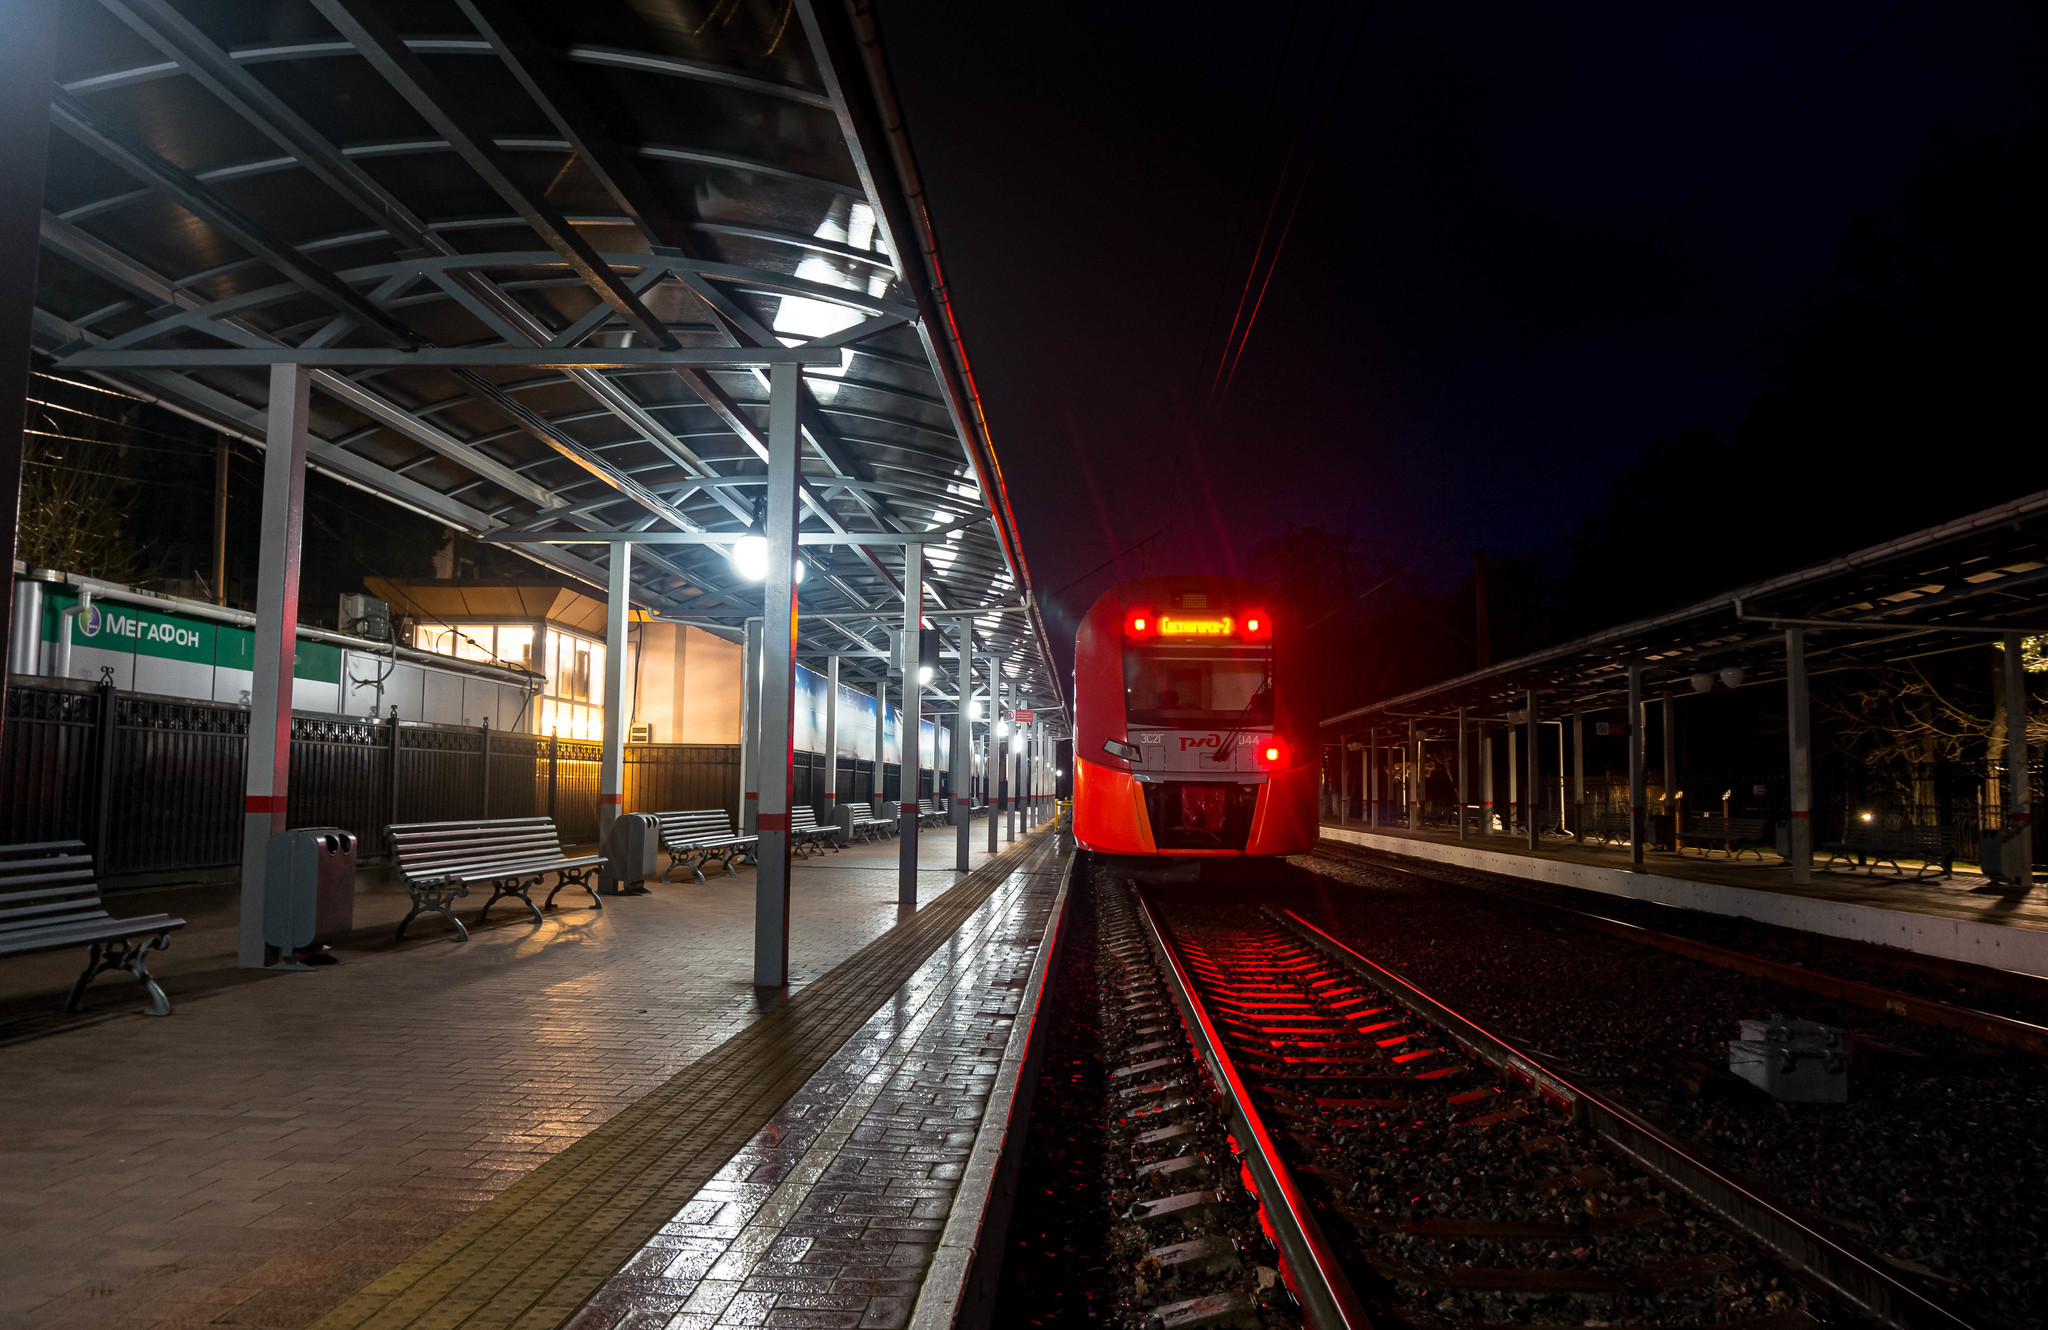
(154, 785)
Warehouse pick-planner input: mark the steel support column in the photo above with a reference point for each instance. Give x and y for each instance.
(1414, 760)
(1370, 763)
(611, 770)
(1485, 779)
(268, 774)
(909, 649)
(778, 685)
(879, 793)
(1462, 792)
(750, 730)
(963, 752)
(2018, 764)
(1637, 792)
(1579, 776)
(1034, 785)
(1534, 769)
(1799, 731)
(999, 789)
(1514, 777)
(831, 799)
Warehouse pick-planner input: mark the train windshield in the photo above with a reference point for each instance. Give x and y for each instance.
(1203, 685)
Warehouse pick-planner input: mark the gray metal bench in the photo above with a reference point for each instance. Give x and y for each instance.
(931, 813)
(49, 902)
(437, 862)
(866, 826)
(1734, 836)
(1869, 845)
(806, 834)
(697, 836)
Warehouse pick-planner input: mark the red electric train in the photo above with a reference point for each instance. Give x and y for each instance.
(1188, 735)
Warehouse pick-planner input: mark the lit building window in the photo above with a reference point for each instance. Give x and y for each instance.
(571, 667)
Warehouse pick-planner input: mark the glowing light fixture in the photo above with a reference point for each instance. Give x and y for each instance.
(750, 559)
(924, 674)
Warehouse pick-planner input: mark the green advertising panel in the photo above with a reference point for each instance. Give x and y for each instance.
(181, 637)
(126, 628)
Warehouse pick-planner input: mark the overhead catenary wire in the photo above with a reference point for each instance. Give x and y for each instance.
(1251, 179)
(1251, 275)
(1301, 189)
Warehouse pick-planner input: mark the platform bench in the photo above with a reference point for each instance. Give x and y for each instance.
(1735, 836)
(866, 826)
(50, 902)
(805, 833)
(694, 837)
(1868, 846)
(437, 862)
(931, 813)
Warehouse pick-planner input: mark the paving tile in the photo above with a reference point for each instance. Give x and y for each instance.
(359, 1113)
(846, 1235)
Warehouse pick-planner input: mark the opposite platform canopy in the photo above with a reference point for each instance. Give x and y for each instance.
(1952, 587)
(528, 249)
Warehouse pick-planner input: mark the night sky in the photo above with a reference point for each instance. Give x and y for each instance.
(1503, 281)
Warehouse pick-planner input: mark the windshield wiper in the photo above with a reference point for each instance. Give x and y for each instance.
(1237, 726)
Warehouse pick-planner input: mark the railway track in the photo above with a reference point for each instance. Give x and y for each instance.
(1414, 1168)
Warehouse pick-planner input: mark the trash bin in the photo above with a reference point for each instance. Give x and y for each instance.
(632, 854)
(309, 887)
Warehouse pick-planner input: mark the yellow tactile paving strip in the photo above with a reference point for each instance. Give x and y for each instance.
(533, 1254)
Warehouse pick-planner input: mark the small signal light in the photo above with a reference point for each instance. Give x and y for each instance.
(1258, 626)
(1141, 623)
(1272, 753)
(1138, 624)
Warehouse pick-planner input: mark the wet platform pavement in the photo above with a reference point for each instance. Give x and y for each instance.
(830, 1214)
(456, 1134)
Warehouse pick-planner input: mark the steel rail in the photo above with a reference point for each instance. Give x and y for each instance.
(1325, 1291)
(1988, 1026)
(1857, 1278)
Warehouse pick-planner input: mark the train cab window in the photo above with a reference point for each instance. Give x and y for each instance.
(1197, 685)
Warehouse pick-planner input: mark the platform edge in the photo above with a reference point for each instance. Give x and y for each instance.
(959, 1286)
(1996, 946)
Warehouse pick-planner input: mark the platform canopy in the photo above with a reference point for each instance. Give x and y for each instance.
(1961, 585)
(540, 258)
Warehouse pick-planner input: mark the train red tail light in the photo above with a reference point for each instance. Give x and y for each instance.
(1258, 626)
(1140, 623)
(1270, 753)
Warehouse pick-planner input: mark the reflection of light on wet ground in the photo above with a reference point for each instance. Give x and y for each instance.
(853, 1178)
